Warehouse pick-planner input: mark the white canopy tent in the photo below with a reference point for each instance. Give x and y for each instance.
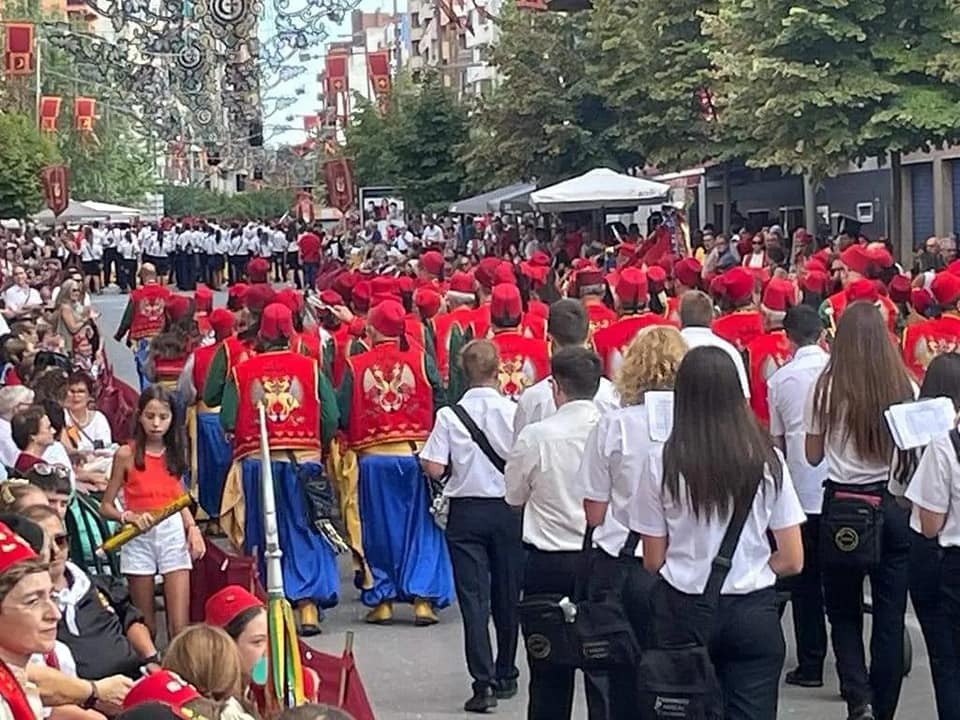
(599, 189)
(87, 211)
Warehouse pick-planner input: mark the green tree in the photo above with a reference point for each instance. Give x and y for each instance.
(545, 119)
(190, 200)
(649, 60)
(412, 142)
(23, 153)
(810, 85)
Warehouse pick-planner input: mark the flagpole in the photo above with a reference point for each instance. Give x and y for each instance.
(37, 89)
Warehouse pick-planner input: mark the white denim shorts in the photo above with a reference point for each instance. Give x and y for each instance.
(162, 550)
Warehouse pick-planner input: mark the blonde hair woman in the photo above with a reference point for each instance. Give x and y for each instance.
(613, 460)
(207, 658)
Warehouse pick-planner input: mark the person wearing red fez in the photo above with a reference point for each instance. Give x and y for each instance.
(258, 270)
(302, 418)
(523, 360)
(209, 450)
(856, 263)
(430, 268)
(740, 322)
(237, 297)
(450, 329)
(814, 284)
(144, 317)
(202, 305)
(335, 335)
(588, 285)
(924, 340)
(170, 350)
(387, 400)
(768, 352)
(686, 277)
(486, 277)
(632, 298)
(304, 342)
(28, 623)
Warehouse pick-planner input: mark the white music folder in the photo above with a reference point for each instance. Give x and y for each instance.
(914, 424)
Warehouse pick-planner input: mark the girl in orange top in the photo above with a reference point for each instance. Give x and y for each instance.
(147, 473)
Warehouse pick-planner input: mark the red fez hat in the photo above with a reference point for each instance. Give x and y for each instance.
(921, 300)
(291, 298)
(344, 284)
(632, 287)
(815, 281)
(461, 282)
(432, 262)
(384, 286)
(388, 318)
(817, 264)
(405, 284)
(331, 297)
(505, 303)
(945, 288)
(718, 287)
(862, 289)
(824, 255)
(203, 299)
(221, 320)
(259, 296)
(900, 288)
(276, 322)
(177, 307)
(582, 264)
(13, 549)
(540, 259)
(163, 687)
(227, 603)
(361, 296)
(687, 272)
(589, 277)
(485, 272)
(878, 253)
(237, 296)
(657, 277)
(779, 295)
(427, 301)
(737, 284)
(504, 274)
(258, 269)
(856, 258)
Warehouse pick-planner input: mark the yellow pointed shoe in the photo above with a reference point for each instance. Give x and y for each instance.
(309, 619)
(382, 614)
(423, 613)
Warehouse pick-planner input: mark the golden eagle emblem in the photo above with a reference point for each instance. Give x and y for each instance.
(152, 309)
(389, 388)
(280, 396)
(515, 376)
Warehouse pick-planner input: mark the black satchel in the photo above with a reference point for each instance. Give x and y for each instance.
(677, 680)
(579, 631)
(851, 526)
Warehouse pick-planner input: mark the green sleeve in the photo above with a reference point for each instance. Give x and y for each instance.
(356, 347)
(433, 377)
(825, 315)
(329, 412)
(216, 379)
(329, 348)
(456, 383)
(430, 341)
(344, 393)
(228, 407)
(124, 322)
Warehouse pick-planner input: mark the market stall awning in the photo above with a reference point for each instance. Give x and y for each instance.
(598, 189)
(490, 201)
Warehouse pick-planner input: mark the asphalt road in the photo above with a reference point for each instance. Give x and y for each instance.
(415, 673)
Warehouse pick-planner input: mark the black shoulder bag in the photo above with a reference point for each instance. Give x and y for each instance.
(580, 631)
(677, 680)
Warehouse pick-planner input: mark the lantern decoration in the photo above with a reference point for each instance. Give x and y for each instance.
(338, 176)
(56, 187)
(49, 112)
(18, 49)
(378, 70)
(83, 113)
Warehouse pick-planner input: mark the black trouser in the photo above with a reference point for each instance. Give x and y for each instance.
(111, 265)
(310, 275)
(293, 263)
(237, 268)
(625, 578)
(551, 686)
(127, 274)
(843, 596)
(926, 557)
(806, 595)
(745, 640)
(483, 535)
(279, 262)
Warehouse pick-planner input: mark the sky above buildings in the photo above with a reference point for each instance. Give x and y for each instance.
(286, 126)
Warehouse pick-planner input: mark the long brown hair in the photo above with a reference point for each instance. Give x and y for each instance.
(716, 443)
(864, 376)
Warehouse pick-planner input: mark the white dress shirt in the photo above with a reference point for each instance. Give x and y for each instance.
(541, 474)
(536, 402)
(16, 297)
(698, 336)
(8, 449)
(936, 487)
(693, 543)
(471, 473)
(612, 462)
(97, 428)
(787, 391)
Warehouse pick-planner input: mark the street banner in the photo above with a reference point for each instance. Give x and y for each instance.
(49, 112)
(378, 69)
(56, 187)
(338, 175)
(18, 48)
